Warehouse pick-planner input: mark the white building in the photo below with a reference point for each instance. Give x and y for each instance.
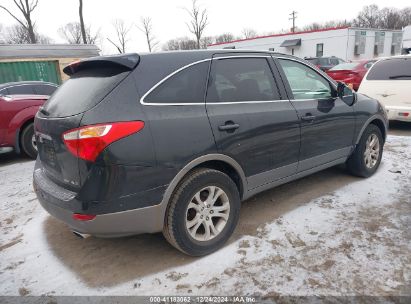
(348, 43)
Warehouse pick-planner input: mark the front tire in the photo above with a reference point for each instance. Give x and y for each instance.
(367, 155)
(27, 141)
(203, 212)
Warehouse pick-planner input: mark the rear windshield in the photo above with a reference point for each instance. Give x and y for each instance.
(83, 90)
(344, 66)
(391, 69)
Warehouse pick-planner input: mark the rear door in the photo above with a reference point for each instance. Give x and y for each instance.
(327, 123)
(250, 119)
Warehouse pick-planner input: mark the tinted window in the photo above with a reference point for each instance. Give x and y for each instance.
(241, 79)
(305, 83)
(323, 61)
(44, 89)
(3, 92)
(391, 69)
(21, 89)
(186, 86)
(83, 90)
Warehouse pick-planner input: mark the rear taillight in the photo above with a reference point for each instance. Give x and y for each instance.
(83, 217)
(87, 142)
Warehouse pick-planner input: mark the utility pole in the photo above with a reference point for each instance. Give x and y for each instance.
(293, 17)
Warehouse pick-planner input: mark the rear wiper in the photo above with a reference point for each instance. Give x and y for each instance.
(43, 111)
(400, 76)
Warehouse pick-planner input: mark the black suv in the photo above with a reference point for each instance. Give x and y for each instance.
(174, 141)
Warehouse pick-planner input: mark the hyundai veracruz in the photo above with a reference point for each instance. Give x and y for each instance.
(174, 141)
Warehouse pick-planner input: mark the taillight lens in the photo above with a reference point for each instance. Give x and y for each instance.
(87, 142)
(83, 217)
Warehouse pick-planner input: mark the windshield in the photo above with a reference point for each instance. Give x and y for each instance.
(82, 91)
(344, 66)
(391, 69)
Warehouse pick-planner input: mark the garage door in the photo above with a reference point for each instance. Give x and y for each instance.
(29, 70)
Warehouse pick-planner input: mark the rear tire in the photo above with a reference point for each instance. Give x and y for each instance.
(367, 155)
(203, 212)
(27, 141)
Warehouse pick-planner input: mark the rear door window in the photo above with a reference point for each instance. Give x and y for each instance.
(241, 79)
(185, 86)
(84, 90)
(391, 69)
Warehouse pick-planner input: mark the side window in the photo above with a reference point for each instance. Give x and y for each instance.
(241, 79)
(305, 83)
(4, 92)
(21, 89)
(45, 90)
(186, 86)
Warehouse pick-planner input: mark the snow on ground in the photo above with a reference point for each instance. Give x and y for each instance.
(354, 240)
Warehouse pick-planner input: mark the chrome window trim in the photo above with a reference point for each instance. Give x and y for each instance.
(200, 103)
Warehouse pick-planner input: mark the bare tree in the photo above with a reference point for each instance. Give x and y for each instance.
(82, 26)
(26, 8)
(147, 29)
(184, 43)
(249, 33)
(206, 41)
(226, 37)
(368, 17)
(17, 34)
(72, 33)
(122, 32)
(199, 21)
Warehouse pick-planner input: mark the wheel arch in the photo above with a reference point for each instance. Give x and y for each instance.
(219, 162)
(376, 120)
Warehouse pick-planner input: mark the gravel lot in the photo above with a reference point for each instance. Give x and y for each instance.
(326, 234)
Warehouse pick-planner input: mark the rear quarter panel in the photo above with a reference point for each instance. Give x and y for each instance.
(14, 114)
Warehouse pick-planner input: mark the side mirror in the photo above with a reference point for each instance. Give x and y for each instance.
(345, 93)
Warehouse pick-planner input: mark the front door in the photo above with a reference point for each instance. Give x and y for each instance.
(327, 123)
(251, 121)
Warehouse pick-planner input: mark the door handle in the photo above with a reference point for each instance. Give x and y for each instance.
(229, 126)
(308, 118)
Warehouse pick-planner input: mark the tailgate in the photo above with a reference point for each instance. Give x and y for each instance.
(59, 164)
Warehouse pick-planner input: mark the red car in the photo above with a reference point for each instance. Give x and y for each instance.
(351, 73)
(16, 122)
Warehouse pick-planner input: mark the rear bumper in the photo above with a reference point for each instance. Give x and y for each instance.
(62, 203)
(399, 113)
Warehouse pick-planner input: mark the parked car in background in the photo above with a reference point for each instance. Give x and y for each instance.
(389, 81)
(149, 145)
(351, 73)
(325, 63)
(16, 123)
(28, 87)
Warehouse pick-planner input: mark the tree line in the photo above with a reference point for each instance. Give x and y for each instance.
(80, 32)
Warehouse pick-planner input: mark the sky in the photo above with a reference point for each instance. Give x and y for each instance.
(169, 17)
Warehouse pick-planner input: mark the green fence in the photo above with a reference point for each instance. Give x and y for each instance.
(29, 70)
